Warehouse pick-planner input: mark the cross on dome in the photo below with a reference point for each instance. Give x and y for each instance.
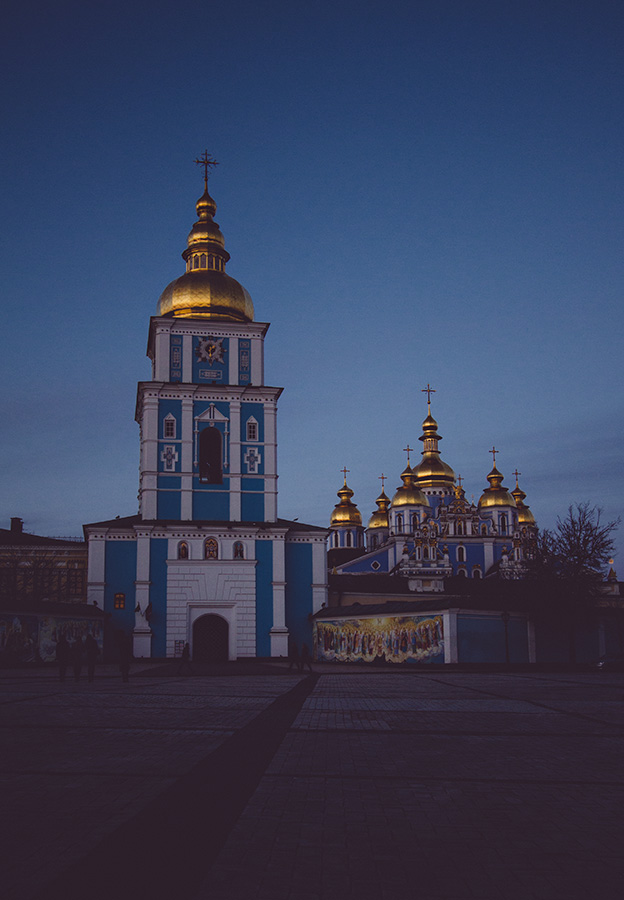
(428, 391)
(494, 451)
(408, 450)
(207, 162)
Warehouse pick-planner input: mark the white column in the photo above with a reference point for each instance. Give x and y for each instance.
(233, 361)
(235, 461)
(142, 634)
(187, 359)
(186, 499)
(279, 632)
(161, 354)
(96, 571)
(257, 361)
(488, 554)
(319, 575)
(451, 652)
(270, 462)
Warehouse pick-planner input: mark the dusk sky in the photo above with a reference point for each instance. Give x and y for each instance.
(411, 192)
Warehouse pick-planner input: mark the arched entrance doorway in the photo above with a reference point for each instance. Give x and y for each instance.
(210, 639)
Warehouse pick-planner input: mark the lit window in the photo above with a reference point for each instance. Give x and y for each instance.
(239, 550)
(119, 601)
(183, 550)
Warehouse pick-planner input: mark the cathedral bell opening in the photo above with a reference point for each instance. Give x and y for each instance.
(210, 639)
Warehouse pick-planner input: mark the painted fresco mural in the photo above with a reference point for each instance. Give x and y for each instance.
(392, 639)
(26, 638)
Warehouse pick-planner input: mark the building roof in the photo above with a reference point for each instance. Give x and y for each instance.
(136, 521)
(12, 538)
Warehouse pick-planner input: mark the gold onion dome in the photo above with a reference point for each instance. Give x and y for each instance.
(432, 471)
(205, 291)
(345, 512)
(408, 494)
(525, 516)
(495, 494)
(379, 518)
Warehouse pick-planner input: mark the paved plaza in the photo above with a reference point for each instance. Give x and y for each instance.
(253, 782)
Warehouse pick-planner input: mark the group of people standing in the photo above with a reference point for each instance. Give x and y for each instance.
(74, 655)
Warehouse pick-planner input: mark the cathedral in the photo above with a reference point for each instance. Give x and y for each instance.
(428, 531)
(207, 560)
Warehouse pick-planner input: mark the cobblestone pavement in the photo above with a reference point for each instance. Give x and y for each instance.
(371, 784)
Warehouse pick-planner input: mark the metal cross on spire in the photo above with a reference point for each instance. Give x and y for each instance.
(345, 471)
(460, 481)
(208, 163)
(382, 478)
(517, 474)
(428, 391)
(494, 451)
(408, 450)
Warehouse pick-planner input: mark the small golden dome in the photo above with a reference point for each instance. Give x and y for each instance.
(379, 518)
(432, 471)
(496, 494)
(408, 494)
(205, 291)
(345, 512)
(525, 516)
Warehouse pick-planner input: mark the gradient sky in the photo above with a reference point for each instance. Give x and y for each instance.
(411, 192)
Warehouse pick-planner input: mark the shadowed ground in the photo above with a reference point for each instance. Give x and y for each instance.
(252, 782)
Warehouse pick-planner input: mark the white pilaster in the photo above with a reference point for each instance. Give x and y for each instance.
(319, 575)
(186, 499)
(96, 570)
(161, 353)
(279, 632)
(233, 361)
(451, 652)
(257, 361)
(187, 358)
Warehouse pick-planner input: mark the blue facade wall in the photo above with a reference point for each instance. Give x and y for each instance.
(169, 505)
(482, 639)
(211, 505)
(365, 565)
(120, 575)
(299, 593)
(158, 595)
(252, 507)
(264, 597)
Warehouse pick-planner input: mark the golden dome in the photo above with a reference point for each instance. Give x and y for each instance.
(408, 494)
(345, 512)
(205, 291)
(496, 494)
(525, 516)
(432, 471)
(379, 518)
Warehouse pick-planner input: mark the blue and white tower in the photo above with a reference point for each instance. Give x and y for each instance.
(207, 560)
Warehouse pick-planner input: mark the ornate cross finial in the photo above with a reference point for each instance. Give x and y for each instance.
(428, 391)
(344, 472)
(517, 474)
(460, 480)
(383, 478)
(408, 450)
(494, 451)
(208, 163)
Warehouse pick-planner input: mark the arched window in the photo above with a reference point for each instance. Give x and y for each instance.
(211, 456)
(183, 550)
(484, 529)
(348, 538)
(239, 550)
(202, 261)
(426, 553)
(211, 549)
(399, 523)
(459, 528)
(461, 572)
(476, 572)
(503, 524)
(461, 554)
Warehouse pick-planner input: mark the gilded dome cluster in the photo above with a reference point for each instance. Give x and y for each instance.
(205, 291)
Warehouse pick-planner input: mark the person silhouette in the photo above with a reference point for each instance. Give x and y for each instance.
(185, 660)
(92, 650)
(62, 656)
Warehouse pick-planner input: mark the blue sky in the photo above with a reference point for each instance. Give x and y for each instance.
(420, 192)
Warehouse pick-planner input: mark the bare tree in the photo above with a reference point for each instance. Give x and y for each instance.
(567, 568)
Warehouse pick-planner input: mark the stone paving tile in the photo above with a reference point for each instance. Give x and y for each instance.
(438, 785)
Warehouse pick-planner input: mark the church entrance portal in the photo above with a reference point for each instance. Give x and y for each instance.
(210, 639)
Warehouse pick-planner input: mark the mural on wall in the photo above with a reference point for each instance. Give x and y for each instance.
(393, 639)
(32, 639)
